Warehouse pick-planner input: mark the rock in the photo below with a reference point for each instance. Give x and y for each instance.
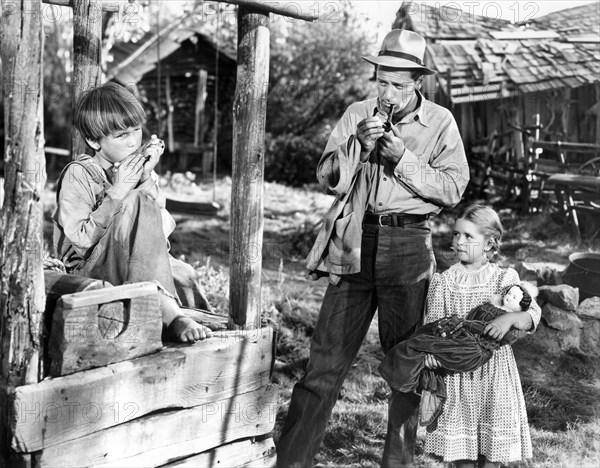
(562, 296)
(540, 272)
(590, 336)
(563, 327)
(589, 308)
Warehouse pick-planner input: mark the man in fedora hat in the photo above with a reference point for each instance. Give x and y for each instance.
(392, 162)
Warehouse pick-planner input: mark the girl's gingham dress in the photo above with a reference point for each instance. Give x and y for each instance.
(485, 411)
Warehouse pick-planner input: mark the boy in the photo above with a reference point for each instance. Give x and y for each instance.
(110, 221)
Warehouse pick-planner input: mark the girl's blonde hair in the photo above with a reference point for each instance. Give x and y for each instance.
(489, 224)
(105, 110)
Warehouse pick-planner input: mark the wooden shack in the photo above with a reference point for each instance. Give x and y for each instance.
(179, 90)
(493, 73)
(114, 394)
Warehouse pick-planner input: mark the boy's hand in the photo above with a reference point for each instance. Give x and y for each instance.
(152, 155)
(499, 327)
(126, 174)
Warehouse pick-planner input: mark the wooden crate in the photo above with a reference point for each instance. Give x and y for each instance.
(103, 326)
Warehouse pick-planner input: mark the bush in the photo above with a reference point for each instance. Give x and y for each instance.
(292, 159)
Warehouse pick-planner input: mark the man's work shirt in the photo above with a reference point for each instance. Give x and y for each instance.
(433, 172)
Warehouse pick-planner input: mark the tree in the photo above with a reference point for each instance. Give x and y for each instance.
(316, 72)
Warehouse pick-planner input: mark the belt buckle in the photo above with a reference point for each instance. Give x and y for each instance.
(379, 220)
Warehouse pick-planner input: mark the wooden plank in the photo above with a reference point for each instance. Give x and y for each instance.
(22, 298)
(158, 439)
(99, 334)
(112, 5)
(237, 454)
(200, 106)
(65, 408)
(290, 9)
(249, 116)
(58, 284)
(100, 296)
(87, 50)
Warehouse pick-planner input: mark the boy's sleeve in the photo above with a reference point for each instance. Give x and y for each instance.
(82, 224)
(511, 277)
(151, 186)
(435, 308)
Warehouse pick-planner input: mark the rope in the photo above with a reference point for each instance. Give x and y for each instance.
(216, 105)
(158, 75)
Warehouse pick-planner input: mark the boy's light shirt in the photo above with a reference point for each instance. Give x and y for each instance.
(83, 225)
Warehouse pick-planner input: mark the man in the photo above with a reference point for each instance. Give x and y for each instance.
(375, 243)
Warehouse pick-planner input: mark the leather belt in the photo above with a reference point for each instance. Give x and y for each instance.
(394, 219)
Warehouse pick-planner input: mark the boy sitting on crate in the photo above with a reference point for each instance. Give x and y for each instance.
(110, 221)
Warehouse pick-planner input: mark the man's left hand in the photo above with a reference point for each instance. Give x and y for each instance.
(391, 146)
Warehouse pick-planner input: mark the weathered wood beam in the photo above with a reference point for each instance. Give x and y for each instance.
(22, 298)
(105, 5)
(249, 115)
(239, 453)
(87, 50)
(289, 9)
(58, 410)
(157, 439)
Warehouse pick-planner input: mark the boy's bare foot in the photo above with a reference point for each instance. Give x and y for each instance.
(186, 330)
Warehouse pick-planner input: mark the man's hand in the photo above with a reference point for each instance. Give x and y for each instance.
(499, 327)
(391, 146)
(368, 131)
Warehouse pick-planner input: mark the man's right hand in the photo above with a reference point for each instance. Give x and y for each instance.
(368, 131)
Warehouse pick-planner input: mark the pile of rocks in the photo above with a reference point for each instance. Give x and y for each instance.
(566, 323)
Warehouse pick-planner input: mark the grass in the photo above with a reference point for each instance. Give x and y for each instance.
(562, 392)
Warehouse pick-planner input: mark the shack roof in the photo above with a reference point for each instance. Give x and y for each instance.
(484, 58)
(131, 61)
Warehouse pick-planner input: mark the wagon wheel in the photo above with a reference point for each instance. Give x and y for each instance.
(591, 167)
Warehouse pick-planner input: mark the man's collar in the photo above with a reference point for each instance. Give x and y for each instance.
(419, 114)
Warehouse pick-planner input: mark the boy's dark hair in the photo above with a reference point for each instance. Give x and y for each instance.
(526, 301)
(105, 110)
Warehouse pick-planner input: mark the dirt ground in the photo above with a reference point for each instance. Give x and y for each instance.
(562, 393)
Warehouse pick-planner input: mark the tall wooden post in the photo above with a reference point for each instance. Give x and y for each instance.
(87, 49)
(22, 297)
(249, 115)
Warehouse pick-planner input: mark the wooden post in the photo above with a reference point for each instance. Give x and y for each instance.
(87, 49)
(249, 115)
(199, 113)
(22, 298)
(170, 111)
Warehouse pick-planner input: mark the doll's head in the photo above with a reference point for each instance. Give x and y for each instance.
(516, 298)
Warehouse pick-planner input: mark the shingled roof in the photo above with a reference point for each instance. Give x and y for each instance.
(484, 58)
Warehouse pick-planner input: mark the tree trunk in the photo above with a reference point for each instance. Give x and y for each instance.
(87, 49)
(21, 278)
(249, 115)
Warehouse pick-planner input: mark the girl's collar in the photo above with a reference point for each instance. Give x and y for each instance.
(471, 270)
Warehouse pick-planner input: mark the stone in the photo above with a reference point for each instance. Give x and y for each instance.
(563, 327)
(562, 296)
(540, 272)
(589, 308)
(590, 336)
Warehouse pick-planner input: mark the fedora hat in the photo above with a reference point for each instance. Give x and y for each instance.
(401, 49)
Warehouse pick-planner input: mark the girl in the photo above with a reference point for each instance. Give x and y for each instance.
(484, 422)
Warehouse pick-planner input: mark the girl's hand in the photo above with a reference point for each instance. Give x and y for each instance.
(431, 362)
(499, 327)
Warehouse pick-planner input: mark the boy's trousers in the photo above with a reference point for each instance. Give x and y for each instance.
(134, 249)
(396, 266)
